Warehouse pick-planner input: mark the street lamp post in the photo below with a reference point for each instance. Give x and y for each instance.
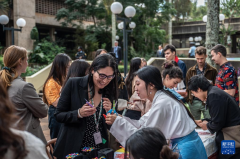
(20, 23)
(130, 12)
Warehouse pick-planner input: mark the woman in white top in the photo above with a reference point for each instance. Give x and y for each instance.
(16, 144)
(167, 113)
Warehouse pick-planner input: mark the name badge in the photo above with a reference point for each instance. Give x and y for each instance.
(97, 138)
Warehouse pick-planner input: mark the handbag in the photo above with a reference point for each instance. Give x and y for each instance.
(232, 133)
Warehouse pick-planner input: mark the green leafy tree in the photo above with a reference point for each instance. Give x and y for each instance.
(146, 36)
(79, 10)
(91, 37)
(197, 12)
(183, 9)
(230, 8)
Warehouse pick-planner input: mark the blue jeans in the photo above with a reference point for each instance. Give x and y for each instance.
(53, 125)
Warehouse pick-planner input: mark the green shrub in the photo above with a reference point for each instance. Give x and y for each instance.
(121, 68)
(44, 52)
(31, 70)
(34, 33)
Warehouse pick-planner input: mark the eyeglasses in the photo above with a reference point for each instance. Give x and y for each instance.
(103, 76)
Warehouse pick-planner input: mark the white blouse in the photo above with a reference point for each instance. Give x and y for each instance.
(35, 147)
(167, 114)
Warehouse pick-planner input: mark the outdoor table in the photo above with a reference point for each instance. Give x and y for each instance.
(209, 143)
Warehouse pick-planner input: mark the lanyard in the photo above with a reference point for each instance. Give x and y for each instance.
(99, 116)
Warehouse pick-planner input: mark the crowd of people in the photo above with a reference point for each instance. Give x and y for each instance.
(152, 114)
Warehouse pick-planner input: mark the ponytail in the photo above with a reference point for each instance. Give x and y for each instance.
(167, 153)
(11, 58)
(6, 77)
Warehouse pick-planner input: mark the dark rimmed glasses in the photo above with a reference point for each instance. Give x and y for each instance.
(103, 76)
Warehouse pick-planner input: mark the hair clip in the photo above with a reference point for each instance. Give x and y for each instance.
(6, 68)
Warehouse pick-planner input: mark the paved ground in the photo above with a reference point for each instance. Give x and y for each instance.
(46, 131)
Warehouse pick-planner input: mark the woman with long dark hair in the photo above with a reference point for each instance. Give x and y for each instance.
(167, 113)
(138, 106)
(82, 123)
(29, 106)
(78, 68)
(52, 88)
(16, 144)
(148, 143)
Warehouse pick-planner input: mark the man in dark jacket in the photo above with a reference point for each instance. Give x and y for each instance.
(118, 52)
(170, 55)
(224, 112)
(201, 68)
(160, 51)
(80, 54)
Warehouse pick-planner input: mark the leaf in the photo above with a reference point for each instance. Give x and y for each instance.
(40, 55)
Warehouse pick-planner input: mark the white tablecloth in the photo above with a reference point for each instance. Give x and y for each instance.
(208, 140)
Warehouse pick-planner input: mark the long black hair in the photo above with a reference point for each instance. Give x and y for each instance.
(151, 75)
(103, 61)
(149, 143)
(134, 66)
(78, 68)
(58, 71)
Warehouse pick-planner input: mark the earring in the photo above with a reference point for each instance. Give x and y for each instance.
(150, 92)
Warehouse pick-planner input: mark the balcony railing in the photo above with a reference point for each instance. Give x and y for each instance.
(198, 26)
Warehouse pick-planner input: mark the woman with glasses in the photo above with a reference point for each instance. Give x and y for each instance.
(83, 123)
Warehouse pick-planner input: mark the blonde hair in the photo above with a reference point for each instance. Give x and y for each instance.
(11, 58)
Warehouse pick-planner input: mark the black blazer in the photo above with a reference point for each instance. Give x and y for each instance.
(72, 130)
(119, 52)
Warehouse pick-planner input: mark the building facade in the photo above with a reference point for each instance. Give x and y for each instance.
(39, 13)
(182, 32)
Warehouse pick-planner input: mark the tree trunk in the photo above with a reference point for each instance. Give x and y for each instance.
(170, 26)
(212, 28)
(113, 29)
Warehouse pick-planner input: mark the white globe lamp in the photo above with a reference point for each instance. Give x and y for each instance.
(130, 11)
(4, 19)
(116, 8)
(21, 22)
(132, 25)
